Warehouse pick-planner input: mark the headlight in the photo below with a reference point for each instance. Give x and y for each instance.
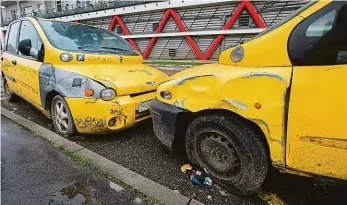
(66, 57)
(237, 54)
(107, 94)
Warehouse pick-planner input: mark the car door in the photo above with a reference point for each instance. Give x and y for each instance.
(29, 66)
(10, 57)
(317, 122)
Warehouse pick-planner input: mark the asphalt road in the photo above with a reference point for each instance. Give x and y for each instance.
(35, 172)
(138, 149)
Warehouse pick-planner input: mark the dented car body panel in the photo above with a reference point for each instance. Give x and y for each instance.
(237, 89)
(125, 73)
(300, 109)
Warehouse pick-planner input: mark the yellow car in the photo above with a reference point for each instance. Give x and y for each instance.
(86, 79)
(278, 99)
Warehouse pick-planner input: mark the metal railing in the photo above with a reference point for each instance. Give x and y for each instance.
(79, 8)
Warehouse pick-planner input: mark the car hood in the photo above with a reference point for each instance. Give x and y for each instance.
(124, 78)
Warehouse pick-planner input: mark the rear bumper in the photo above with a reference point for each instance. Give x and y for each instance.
(164, 118)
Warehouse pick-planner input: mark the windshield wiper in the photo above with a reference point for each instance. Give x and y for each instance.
(114, 48)
(111, 50)
(95, 50)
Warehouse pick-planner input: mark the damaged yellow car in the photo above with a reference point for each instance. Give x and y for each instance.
(88, 80)
(278, 99)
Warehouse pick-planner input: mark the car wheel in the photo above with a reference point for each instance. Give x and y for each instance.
(62, 118)
(11, 97)
(229, 150)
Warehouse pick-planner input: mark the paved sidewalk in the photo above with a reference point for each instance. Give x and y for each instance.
(35, 172)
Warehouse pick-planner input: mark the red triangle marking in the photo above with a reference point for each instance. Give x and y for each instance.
(245, 4)
(117, 19)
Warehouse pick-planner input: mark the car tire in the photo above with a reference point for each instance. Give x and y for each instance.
(229, 150)
(11, 97)
(62, 118)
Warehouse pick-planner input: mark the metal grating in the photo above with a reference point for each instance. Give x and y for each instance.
(198, 19)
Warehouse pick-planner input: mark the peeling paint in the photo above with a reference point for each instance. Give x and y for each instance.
(179, 103)
(262, 74)
(283, 141)
(284, 95)
(236, 104)
(262, 121)
(182, 80)
(65, 83)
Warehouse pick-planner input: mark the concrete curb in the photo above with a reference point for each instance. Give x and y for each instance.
(144, 185)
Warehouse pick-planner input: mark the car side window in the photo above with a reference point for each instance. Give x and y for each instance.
(28, 31)
(322, 25)
(12, 43)
(321, 38)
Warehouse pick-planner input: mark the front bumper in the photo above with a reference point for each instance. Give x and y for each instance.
(164, 118)
(94, 115)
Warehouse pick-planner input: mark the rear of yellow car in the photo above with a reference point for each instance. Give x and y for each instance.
(269, 100)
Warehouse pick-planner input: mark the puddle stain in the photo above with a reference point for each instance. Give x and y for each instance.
(76, 193)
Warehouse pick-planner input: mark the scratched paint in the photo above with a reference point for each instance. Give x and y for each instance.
(140, 70)
(262, 74)
(182, 80)
(327, 142)
(90, 123)
(237, 104)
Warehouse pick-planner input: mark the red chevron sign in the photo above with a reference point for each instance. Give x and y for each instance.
(245, 4)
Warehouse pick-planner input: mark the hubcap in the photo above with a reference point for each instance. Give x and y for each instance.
(217, 153)
(61, 117)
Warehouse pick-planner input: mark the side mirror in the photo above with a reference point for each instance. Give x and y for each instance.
(25, 47)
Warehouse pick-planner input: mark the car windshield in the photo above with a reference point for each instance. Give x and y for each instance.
(76, 37)
(286, 19)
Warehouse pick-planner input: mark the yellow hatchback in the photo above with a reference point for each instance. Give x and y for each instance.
(86, 79)
(280, 98)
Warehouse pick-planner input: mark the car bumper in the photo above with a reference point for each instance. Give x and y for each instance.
(96, 115)
(164, 118)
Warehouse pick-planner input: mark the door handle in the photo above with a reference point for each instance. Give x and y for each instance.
(14, 62)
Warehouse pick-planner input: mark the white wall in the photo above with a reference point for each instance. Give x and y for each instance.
(8, 10)
(33, 4)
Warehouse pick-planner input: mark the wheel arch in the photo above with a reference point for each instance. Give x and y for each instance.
(184, 119)
(49, 99)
